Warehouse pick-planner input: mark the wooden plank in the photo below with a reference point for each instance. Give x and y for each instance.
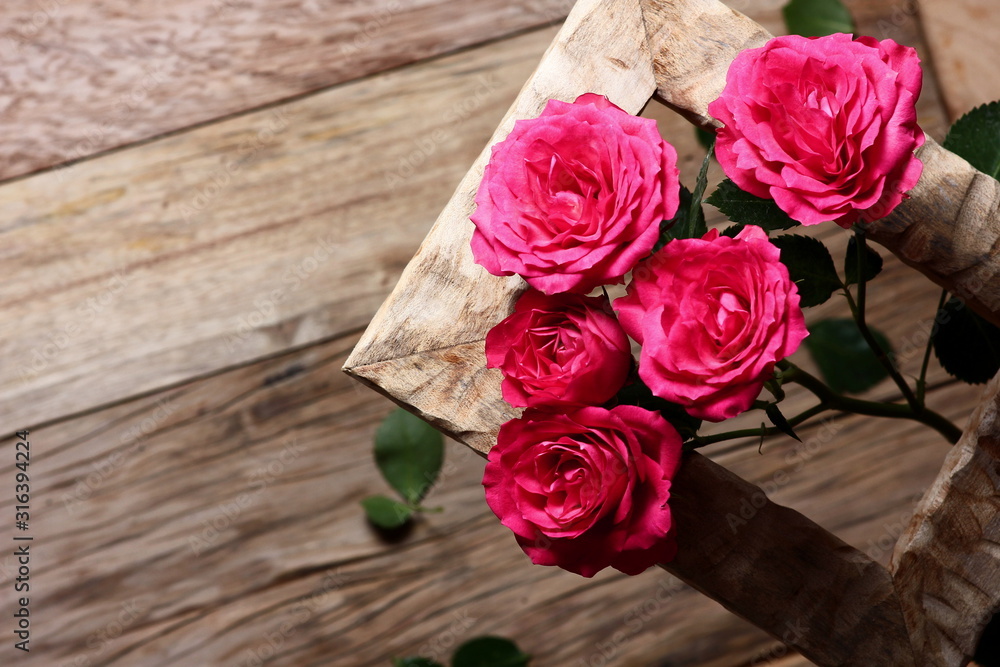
(962, 35)
(277, 561)
(445, 303)
(238, 240)
(137, 70)
(253, 541)
(948, 226)
(428, 367)
(217, 523)
(749, 553)
(946, 562)
(206, 205)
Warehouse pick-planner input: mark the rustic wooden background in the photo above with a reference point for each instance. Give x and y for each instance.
(203, 203)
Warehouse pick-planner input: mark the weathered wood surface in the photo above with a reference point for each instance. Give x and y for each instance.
(216, 247)
(426, 370)
(947, 562)
(948, 228)
(693, 43)
(962, 36)
(772, 566)
(296, 572)
(444, 304)
(217, 522)
(142, 69)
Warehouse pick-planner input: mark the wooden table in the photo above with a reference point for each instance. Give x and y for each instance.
(203, 205)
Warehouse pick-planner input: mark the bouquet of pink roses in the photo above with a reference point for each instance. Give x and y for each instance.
(586, 195)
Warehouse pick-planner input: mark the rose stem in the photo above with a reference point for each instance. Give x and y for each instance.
(941, 424)
(858, 310)
(702, 440)
(792, 373)
(922, 380)
(915, 408)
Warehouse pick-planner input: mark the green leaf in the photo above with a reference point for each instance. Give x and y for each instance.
(810, 267)
(779, 421)
(815, 18)
(705, 137)
(639, 395)
(676, 227)
(873, 262)
(489, 652)
(967, 346)
(745, 208)
(732, 230)
(976, 138)
(696, 215)
(386, 512)
(689, 221)
(409, 452)
(774, 386)
(845, 361)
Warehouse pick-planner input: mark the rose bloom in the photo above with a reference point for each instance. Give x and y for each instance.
(587, 489)
(824, 126)
(573, 199)
(560, 350)
(713, 316)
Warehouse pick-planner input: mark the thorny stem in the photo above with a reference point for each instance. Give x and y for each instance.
(829, 400)
(922, 380)
(858, 310)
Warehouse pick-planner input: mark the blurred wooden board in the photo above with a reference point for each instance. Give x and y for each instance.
(962, 36)
(300, 552)
(237, 240)
(85, 77)
(220, 518)
(423, 349)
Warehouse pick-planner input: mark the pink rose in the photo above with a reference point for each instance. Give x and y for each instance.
(573, 199)
(561, 350)
(586, 489)
(825, 126)
(713, 316)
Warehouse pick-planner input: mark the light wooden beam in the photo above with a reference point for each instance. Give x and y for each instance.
(424, 348)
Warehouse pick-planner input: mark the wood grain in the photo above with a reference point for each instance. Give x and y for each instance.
(962, 37)
(235, 241)
(774, 567)
(948, 228)
(865, 625)
(948, 600)
(295, 577)
(84, 77)
(692, 43)
(444, 304)
(217, 522)
(945, 565)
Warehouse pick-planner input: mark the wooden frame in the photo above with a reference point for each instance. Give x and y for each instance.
(424, 349)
